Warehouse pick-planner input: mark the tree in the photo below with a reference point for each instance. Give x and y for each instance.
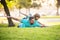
(34, 5)
(24, 3)
(10, 22)
(58, 4)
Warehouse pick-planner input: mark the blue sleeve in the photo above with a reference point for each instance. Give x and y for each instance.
(23, 21)
(38, 24)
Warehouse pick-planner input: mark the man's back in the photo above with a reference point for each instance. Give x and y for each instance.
(27, 24)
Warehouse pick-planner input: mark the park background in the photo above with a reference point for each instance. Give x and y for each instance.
(49, 11)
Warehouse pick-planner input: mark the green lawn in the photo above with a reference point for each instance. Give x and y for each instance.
(50, 16)
(14, 33)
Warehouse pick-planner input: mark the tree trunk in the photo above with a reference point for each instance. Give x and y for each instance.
(10, 22)
(57, 11)
(58, 5)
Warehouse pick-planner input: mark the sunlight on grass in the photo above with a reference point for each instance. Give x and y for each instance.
(50, 16)
(46, 33)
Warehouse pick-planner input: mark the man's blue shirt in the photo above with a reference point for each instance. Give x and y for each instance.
(26, 23)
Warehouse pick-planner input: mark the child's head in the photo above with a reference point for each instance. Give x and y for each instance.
(36, 16)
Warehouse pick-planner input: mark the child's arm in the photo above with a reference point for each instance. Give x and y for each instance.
(42, 25)
(24, 14)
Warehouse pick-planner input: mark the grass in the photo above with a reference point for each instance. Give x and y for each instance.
(50, 16)
(3, 25)
(13, 33)
(4, 18)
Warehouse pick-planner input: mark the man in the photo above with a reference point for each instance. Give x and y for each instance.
(27, 23)
(36, 17)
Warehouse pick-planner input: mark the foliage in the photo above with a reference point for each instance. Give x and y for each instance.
(23, 3)
(17, 3)
(1, 6)
(10, 4)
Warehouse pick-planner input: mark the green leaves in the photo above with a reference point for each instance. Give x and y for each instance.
(18, 3)
(1, 5)
(10, 3)
(24, 3)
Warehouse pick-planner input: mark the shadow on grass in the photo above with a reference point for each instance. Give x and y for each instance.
(6, 25)
(3, 25)
(16, 25)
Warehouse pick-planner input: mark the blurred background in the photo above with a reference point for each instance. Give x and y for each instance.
(49, 10)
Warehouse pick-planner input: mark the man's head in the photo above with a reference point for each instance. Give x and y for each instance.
(31, 19)
(36, 16)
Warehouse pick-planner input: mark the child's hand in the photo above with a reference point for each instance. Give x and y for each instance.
(43, 26)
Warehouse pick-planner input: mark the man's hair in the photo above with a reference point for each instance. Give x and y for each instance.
(36, 15)
(31, 18)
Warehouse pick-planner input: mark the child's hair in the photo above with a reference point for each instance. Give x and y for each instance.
(36, 15)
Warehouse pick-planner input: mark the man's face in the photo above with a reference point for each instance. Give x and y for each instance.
(32, 21)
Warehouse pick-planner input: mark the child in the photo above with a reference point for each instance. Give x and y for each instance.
(37, 16)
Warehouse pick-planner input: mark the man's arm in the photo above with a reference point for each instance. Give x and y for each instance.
(24, 14)
(13, 18)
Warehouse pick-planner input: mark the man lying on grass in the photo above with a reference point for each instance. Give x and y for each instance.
(27, 22)
(36, 17)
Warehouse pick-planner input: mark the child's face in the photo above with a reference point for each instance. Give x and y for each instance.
(36, 18)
